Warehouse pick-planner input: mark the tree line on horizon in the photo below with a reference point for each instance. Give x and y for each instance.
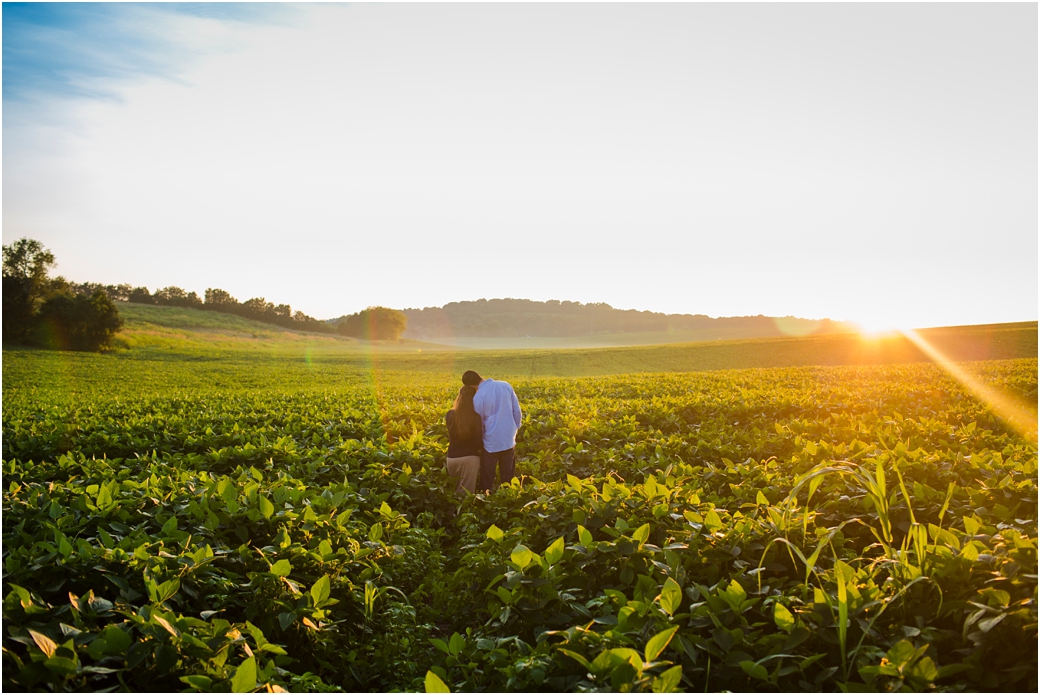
(516, 318)
(215, 299)
(42, 311)
(373, 323)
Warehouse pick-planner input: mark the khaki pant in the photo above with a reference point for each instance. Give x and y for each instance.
(466, 469)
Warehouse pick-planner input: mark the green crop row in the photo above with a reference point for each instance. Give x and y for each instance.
(867, 528)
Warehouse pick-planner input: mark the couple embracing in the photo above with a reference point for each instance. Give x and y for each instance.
(482, 427)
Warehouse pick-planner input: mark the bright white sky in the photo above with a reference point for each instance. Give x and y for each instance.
(867, 162)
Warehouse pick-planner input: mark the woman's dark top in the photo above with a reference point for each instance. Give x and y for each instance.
(461, 447)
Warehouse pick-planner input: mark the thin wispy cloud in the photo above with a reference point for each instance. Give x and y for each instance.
(90, 50)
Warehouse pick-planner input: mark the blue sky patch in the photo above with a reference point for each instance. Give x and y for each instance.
(77, 49)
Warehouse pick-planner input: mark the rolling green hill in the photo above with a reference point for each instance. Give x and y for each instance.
(169, 348)
(179, 328)
(504, 323)
(960, 343)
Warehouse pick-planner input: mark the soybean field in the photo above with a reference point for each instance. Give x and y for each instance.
(206, 522)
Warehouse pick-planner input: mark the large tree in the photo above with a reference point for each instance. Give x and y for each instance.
(78, 321)
(219, 299)
(374, 323)
(52, 312)
(175, 296)
(25, 285)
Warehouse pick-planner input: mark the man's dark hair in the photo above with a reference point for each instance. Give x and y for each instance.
(471, 378)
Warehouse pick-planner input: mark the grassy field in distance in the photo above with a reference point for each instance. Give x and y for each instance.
(158, 328)
(166, 349)
(181, 355)
(965, 343)
(615, 339)
(180, 328)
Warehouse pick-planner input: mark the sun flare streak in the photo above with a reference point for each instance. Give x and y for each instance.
(1016, 413)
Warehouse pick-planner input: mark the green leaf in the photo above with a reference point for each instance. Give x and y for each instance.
(755, 670)
(201, 683)
(495, 533)
(783, 617)
(106, 538)
(554, 553)
(641, 534)
(734, 595)
(282, 568)
(989, 623)
(611, 659)
(521, 556)
(603, 663)
(631, 656)
(813, 484)
(668, 681)
(761, 499)
(61, 665)
(166, 590)
(165, 624)
(227, 490)
(283, 539)
(24, 597)
(104, 497)
(434, 684)
(577, 657)
(951, 670)
(321, 590)
(266, 507)
(712, 520)
(901, 653)
(924, 669)
(656, 644)
(584, 537)
(45, 643)
(869, 673)
(244, 680)
(376, 532)
(671, 597)
(117, 640)
(456, 643)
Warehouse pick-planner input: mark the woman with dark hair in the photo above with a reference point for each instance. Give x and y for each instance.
(465, 439)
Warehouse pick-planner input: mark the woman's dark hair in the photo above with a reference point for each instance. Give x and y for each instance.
(466, 423)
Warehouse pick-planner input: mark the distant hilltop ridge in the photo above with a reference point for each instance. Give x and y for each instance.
(520, 318)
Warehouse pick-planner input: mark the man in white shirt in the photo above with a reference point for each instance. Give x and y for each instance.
(499, 410)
